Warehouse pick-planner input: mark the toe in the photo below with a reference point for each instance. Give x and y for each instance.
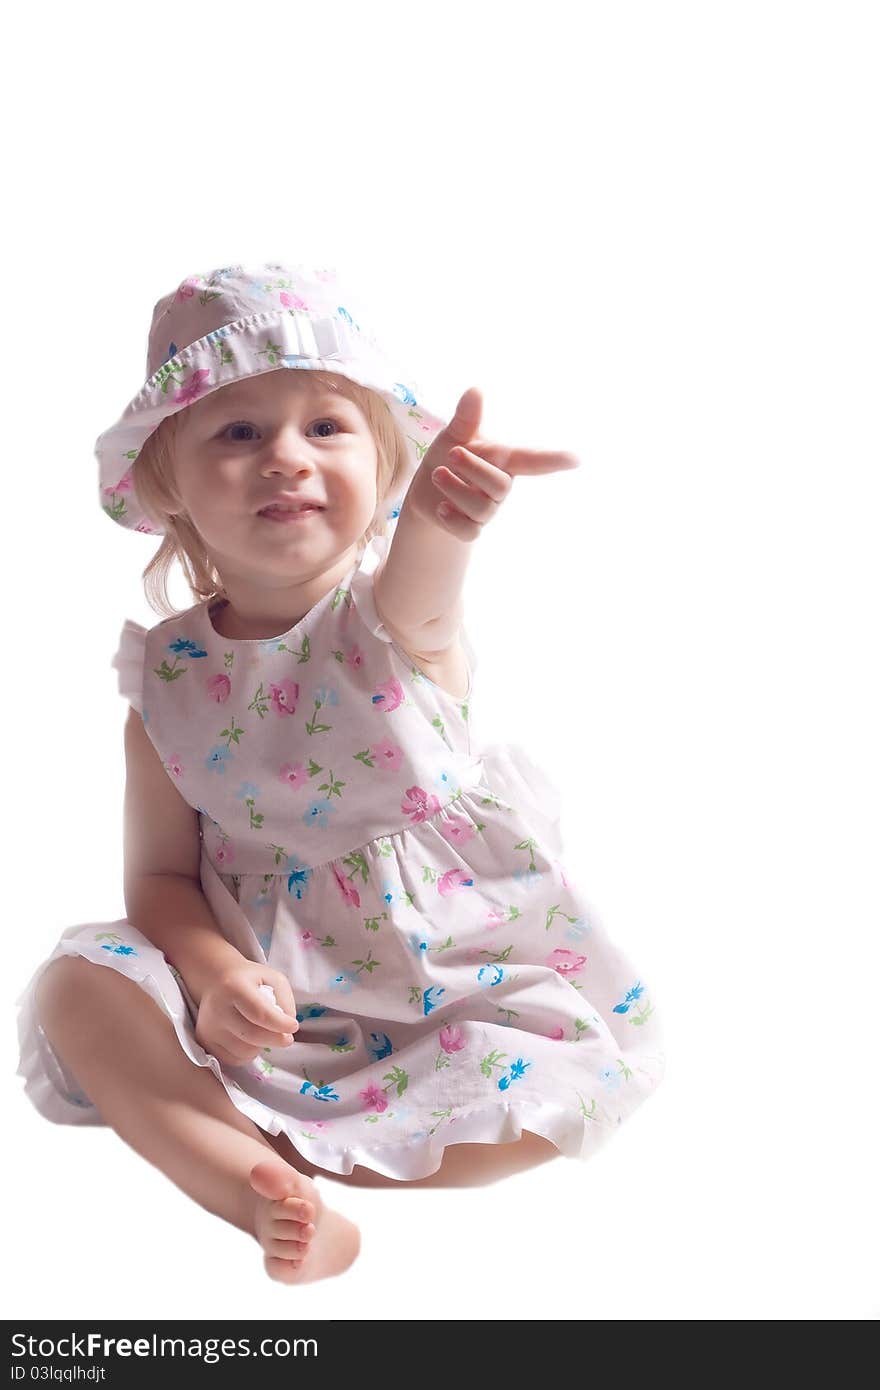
(273, 1178)
(285, 1271)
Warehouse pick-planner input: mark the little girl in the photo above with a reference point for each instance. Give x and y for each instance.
(349, 937)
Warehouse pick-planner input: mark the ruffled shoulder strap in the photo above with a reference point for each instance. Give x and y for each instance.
(129, 663)
(361, 587)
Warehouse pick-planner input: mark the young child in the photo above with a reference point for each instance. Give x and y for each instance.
(349, 936)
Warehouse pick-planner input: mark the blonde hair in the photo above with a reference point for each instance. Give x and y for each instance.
(154, 483)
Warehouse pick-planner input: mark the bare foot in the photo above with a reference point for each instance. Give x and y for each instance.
(302, 1238)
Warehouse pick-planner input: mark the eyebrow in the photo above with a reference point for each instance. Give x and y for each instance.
(229, 395)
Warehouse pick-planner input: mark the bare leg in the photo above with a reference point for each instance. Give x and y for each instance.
(123, 1051)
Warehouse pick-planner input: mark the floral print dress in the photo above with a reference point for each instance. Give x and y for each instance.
(452, 983)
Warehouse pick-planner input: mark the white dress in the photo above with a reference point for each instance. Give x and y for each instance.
(452, 982)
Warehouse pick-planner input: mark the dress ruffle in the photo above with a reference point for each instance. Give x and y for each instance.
(129, 663)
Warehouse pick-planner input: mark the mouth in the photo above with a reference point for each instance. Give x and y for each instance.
(289, 515)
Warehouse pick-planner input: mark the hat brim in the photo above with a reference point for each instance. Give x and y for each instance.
(264, 342)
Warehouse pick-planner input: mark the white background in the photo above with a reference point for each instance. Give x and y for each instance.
(650, 239)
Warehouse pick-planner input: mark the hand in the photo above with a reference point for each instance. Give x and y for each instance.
(236, 1021)
(472, 476)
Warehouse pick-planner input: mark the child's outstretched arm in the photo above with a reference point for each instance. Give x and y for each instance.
(418, 589)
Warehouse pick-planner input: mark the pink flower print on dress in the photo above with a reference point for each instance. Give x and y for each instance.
(224, 853)
(174, 766)
(451, 881)
(456, 829)
(452, 1038)
(374, 1098)
(556, 1036)
(186, 288)
(355, 657)
(389, 695)
(566, 962)
(308, 938)
(495, 917)
(419, 804)
(295, 774)
(348, 890)
(284, 696)
(293, 301)
(193, 388)
(387, 755)
(218, 687)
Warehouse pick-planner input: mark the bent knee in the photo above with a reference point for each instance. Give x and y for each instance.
(70, 984)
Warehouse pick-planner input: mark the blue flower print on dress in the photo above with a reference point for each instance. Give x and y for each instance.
(630, 997)
(489, 975)
(111, 941)
(404, 393)
(218, 757)
(610, 1078)
(318, 813)
(184, 646)
(325, 1092)
(247, 789)
(344, 982)
(379, 1046)
(578, 929)
(310, 1011)
(298, 877)
(416, 944)
(517, 1069)
(528, 878)
(431, 998)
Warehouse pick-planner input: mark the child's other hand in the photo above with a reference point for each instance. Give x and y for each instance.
(237, 1018)
(471, 477)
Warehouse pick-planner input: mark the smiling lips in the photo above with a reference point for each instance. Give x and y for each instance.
(289, 513)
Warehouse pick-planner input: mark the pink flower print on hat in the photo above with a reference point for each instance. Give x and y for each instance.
(195, 387)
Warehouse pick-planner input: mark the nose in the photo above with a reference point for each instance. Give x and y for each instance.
(289, 453)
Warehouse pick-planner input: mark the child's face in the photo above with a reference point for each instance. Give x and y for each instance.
(277, 433)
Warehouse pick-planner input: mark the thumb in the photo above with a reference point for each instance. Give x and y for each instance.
(466, 420)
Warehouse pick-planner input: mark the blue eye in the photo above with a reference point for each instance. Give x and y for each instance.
(245, 425)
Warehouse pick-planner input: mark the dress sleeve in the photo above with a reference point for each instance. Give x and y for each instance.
(129, 663)
(364, 601)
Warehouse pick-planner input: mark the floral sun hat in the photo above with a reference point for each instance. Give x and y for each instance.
(236, 322)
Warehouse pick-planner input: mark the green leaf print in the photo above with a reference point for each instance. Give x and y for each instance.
(587, 1114)
(333, 787)
(556, 911)
(498, 956)
(169, 673)
(372, 923)
(444, 1115)
(256, 816)
(260, 702)
(365, 757)
(509, 1013)
(341, 596)
(492, 1059)
(369, 964)
(642, 1015)
(358, 864)
(415, 994)
(233, 734)
(530, 845)
(272, 351)
(396, 1077)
